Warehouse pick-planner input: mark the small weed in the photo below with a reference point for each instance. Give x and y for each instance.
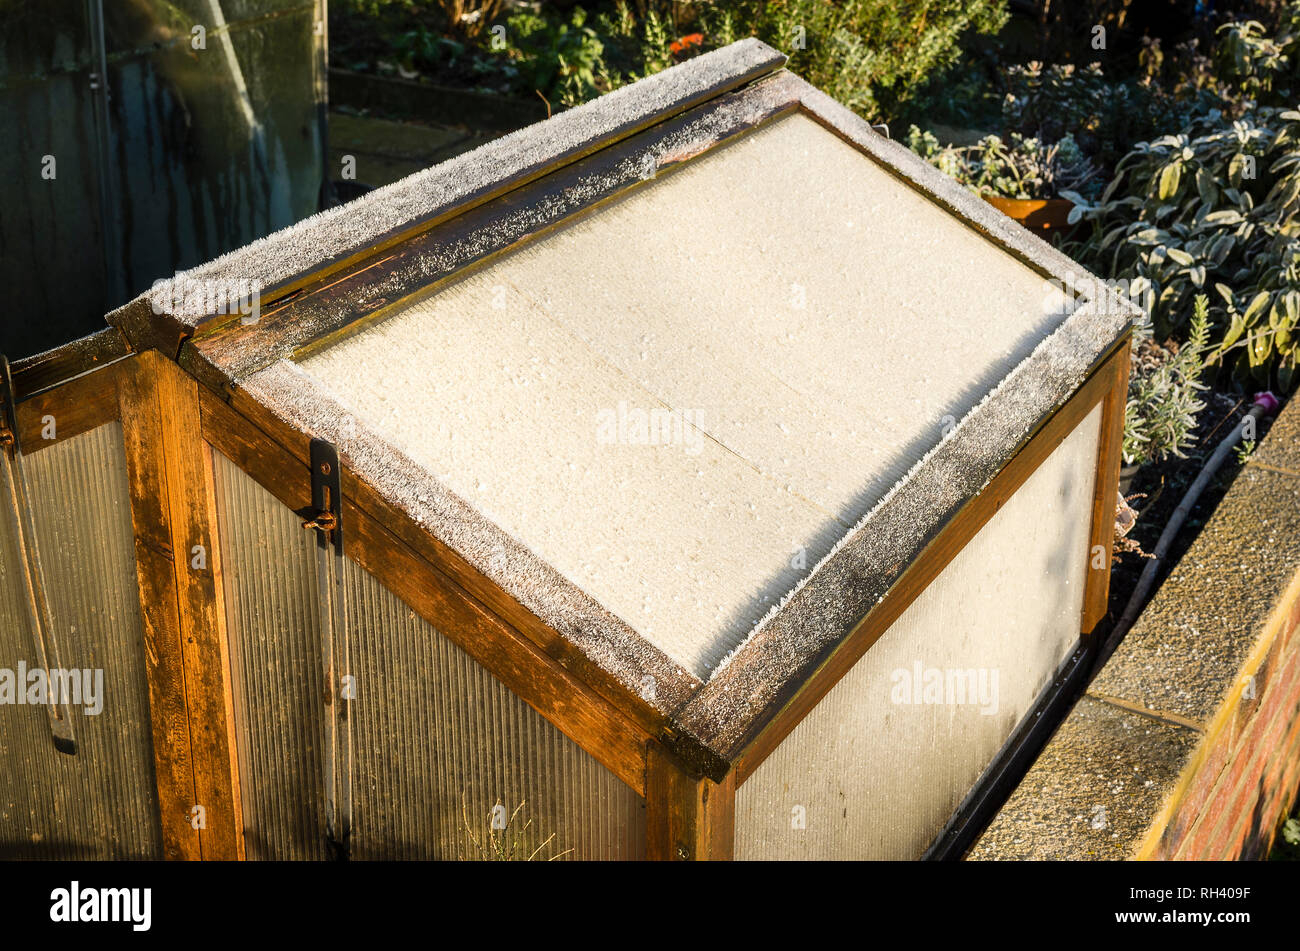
(506, 843)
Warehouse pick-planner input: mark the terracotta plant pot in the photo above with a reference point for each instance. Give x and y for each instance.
(1043, 216)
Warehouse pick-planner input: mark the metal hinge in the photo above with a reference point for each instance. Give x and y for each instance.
(326, 518)
(39, 618)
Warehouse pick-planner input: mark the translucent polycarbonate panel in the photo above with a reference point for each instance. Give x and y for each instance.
(102, 802)
(438, 741)
(879, 765)
(671, 397)
(269, 583)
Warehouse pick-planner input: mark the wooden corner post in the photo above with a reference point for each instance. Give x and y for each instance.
(687, 818)
(173, 514)
(1101, 540)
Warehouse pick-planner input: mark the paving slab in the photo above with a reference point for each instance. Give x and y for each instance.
(1280, 447)
(1094, 789)
(1184, 653)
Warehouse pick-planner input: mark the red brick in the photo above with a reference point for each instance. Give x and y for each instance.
(1235, 819)
(1213, 833)
(1278, 786)
(1257, 815)
(1283, 695)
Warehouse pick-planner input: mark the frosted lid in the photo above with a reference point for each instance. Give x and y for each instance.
(684, 399)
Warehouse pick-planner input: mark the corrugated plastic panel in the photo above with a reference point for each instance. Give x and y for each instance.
(270, 593)
(102, 802)
(438, 742)
(878, 766)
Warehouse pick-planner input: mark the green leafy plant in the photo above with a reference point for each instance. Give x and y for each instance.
(1164, 383)
(1218, 210)
(871, 55)
(365, 32)
(421, 49)
(1050, 101)
(1286, 848)
(562, 59)
(1251, 64)
(637, 45)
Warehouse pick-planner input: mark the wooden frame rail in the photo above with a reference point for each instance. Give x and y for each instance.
(688, 818)
(178, 564)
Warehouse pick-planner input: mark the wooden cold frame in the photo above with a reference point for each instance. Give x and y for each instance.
(689, 785)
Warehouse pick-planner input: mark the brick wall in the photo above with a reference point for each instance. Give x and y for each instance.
(1232, 801)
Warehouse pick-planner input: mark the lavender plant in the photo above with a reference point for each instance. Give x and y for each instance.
(1163, 390)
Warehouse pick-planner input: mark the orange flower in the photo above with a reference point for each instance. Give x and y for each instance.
(686, 42)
